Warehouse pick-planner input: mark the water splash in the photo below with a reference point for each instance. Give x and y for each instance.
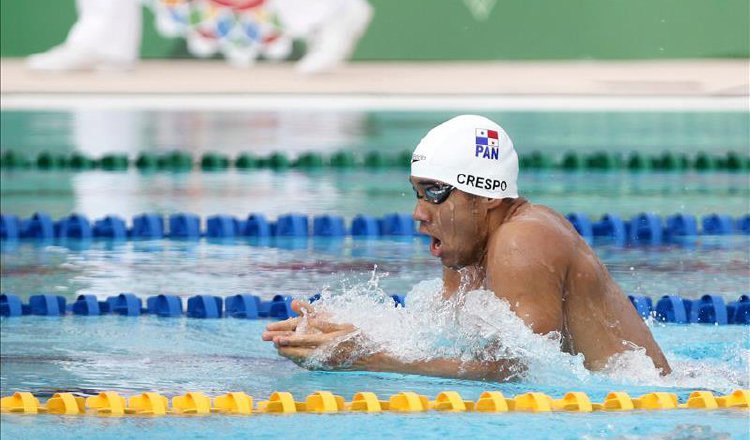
(477, 326)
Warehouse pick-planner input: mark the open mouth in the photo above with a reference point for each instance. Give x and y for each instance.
(435, 246)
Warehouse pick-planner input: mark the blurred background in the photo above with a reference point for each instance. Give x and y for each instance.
(421, 30)
(251, 106)
(237, 107)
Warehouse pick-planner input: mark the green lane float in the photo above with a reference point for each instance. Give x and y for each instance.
(731, 161)
(176, 161)
(276, 161)
(112, 404)
(375, 159)
(214, 162)
(13, 160)
(309, 161)
(343, 159)
(246, 161)
(147, 162)
(114, 162)
(49, 161)
(79, 162)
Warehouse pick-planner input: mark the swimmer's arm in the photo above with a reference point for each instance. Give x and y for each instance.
(499, 371)
(527, 268)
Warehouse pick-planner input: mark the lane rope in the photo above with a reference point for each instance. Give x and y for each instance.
(640, 229)
(181, 161)
(708, 309)
(112, 404)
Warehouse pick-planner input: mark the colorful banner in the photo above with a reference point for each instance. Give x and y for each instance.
(240, 30)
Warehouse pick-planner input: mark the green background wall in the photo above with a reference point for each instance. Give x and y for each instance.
(447, 29)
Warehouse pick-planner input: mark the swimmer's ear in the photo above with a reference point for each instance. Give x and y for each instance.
(493, 203)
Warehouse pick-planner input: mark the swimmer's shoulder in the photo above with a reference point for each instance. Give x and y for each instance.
(540, 221)
(535, 229)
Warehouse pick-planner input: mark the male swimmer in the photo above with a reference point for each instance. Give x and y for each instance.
(464, 173)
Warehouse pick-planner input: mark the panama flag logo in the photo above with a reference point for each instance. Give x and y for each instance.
(487, 144)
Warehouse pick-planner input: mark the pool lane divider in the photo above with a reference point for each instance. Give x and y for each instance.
(641, 229)
(181, 161)
(242, 306)
(708, 309)
(112, 404)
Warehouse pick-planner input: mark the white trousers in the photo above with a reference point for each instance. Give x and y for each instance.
(300, 17)
(111, 28)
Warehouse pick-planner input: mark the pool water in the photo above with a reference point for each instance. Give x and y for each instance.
(172, 356)
(175, 355)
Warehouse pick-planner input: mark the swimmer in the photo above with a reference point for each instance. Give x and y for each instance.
(464, 174)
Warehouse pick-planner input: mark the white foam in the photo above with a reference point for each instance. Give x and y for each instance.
(476, 325)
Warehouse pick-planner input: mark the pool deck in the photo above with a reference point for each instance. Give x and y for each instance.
(721, 81)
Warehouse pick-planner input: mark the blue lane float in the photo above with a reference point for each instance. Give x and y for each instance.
(10, 305)
(292, 225)
(671, 308)
(739, 311)
(257, 226)
(222, 226)
(612, 228)
(166, 306)
(75, 226)
(399, 300)
(329, 226)
(682, 225)
(124, 304)
(643, 305)
(646, 228)
(111, 227)
(40, 227)
(280, 307)
(743, 224)
(10, 227)
(148, 226)
(185, 226)
(716, 224)
(204, 307)
(708, 309)
(86, 305)
(365, 226)
(243, 306)
(642, 229)
(582, 225)
(397, 225)
(46, 305)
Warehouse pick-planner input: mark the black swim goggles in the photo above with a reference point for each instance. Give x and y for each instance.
(434, 192)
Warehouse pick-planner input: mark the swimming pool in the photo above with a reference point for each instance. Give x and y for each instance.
(172, 356)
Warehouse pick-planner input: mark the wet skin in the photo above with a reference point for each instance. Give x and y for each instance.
(528, 255)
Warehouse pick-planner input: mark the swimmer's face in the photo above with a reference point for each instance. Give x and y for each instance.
(457, 226)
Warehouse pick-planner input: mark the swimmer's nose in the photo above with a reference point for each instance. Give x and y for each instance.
(420, 213)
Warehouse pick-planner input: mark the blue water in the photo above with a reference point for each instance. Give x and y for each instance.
(171, 356)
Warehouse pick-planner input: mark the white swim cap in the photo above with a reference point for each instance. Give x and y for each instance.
(471, 153)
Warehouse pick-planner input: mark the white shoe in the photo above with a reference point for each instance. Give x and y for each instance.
(278, 49)
(65, 58)
(334, 41)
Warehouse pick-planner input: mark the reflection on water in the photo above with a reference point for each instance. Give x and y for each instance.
(350, 192)
(293, 131)
(719, 265)
(97, 194)
(88, 354)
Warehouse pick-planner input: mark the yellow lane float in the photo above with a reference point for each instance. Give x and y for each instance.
(110, 403)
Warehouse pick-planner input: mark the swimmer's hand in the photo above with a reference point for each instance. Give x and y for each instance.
(312, 341)
(307, 336)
